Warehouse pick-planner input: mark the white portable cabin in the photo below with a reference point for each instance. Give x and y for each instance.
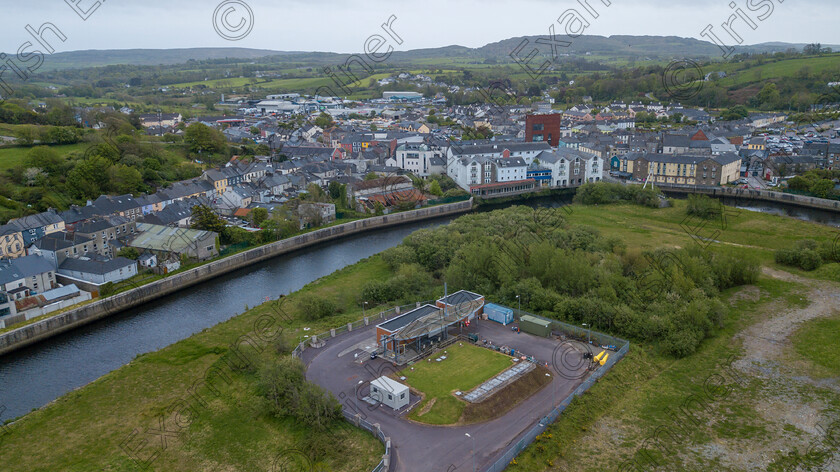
(389, 392)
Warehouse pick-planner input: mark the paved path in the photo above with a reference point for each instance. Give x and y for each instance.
(417, 447)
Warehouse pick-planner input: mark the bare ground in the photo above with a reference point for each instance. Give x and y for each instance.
(787, 409)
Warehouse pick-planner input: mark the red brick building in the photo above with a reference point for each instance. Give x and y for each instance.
(543, 128)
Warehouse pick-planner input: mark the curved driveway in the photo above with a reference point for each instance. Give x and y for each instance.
(417, 447)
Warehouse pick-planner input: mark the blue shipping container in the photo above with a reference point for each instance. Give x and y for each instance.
(498, 313)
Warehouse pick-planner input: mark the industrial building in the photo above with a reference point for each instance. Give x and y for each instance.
(415, 330)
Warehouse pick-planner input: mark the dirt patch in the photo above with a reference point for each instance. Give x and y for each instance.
(750, 293)
(427, 407)
(767, 343)
(507, 398)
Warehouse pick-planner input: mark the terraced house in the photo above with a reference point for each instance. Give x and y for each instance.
(683, 169)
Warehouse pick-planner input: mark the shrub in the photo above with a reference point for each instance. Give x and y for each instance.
(603, 193)
(282, 382)
(703, 206)
(314, 308)
(805, 254)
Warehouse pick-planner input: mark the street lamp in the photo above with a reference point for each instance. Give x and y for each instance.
(588, 333)
(519, 301)
(473, 448)
(363, 309)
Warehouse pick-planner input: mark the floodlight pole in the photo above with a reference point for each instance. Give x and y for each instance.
(588, 333)
(473, 449)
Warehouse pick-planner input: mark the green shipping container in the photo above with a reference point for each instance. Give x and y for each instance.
(529, 324)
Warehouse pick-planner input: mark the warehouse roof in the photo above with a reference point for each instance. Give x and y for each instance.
(167, 238)
(403, 320)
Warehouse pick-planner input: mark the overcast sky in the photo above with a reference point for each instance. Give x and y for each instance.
(343, 26)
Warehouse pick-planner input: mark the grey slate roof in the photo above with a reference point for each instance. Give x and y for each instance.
(97, 265)
(23, 267)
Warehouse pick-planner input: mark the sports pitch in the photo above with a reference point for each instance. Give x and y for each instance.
(465, 367)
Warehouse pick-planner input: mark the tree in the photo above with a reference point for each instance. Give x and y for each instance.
(434, 189)
(124, 179)
(822, 188)
(204, 218)
(314, 193)
(324, 120)
(335, 190)
(282, 382)
(258, 216)
(44, 158)
(371, 176)
(33, 175)
(202, 138)
(769, 95)
(129, 253)
(89, 178)
(26, 135)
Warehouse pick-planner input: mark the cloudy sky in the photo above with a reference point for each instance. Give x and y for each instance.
(343, 25)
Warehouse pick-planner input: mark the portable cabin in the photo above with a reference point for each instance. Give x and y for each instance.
(389, 392)
(498, 313)
(536, 326)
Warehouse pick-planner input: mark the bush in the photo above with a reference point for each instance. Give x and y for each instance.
(282, 382)
(313, 308)
(410, 280)
(703, 206)
(805, 254)
(604, 193)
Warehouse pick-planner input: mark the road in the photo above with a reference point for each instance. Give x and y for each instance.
(418, 447)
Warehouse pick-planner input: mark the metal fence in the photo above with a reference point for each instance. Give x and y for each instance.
(382, 315)
(574, 332)
(357, 421)
(564, 330)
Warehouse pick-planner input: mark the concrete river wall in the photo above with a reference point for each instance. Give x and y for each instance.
(51, 326)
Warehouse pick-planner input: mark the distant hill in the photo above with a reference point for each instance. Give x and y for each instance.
(148, 57)
(619, 46)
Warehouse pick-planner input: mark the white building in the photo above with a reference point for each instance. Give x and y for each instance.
(571, 168)
(389, 392)
(418, 159)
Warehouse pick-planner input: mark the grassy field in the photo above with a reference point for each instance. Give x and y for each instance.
(772, 70)
(747, 232)
(645, 392)
(83, 430)
(465, 367)
(13, 156)
(816, 341)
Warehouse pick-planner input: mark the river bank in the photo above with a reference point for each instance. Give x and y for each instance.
(57, 324)
(109, 409)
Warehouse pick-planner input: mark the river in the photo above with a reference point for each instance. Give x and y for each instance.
(37, 375)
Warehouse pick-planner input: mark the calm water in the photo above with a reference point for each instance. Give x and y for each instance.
(39, 374)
